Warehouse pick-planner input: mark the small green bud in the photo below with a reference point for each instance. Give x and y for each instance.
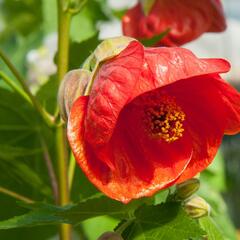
(187, 189)
(76, 82)
(197, 207)
(110, 236)
(106, 50)
(72, 87)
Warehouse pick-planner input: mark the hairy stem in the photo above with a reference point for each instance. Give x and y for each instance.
(15, 195)
(64, 20)
(46, 116)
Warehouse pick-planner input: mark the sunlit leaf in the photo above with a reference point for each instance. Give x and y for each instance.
(84, 24)
(43, 214)
(162, 222)
(213, 232)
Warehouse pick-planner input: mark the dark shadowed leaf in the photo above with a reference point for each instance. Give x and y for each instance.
(47, 94)
(22, 17)
(80, 51)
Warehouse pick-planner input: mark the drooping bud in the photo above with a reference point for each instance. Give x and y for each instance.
(147, 6)
(106, 50)
(110, 236)
(79, 82)
(187, 189)
(72, 86)
(197, 207)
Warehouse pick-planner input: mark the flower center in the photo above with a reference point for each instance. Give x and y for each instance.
(165, 120)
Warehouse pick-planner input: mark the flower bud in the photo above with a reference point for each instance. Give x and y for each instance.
(75, 82)
(72, 86)
(187, 189)
(110, 236)
(106, 50)
(197, 207)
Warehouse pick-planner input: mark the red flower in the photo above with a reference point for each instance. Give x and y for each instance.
(186, 19)
(155, 117)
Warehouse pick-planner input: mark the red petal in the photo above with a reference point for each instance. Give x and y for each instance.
(129, 75)
(172, 64)
(136, 173)
(209, 113)
(112, 88)
(186, 20)
(164, 66)
(95, 170)
(231, 99)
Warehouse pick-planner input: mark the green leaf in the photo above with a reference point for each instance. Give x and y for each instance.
(100, 225)
(9, 152)
(219, 209)
(22, 16)
(49, 9)
(119, 13)
(16, 116)
(80, 51)
(213, 233)
(43, 214)
(214, 175)
(84, 23)
(154, 40)
(47, 94)
(162, 222)
(21, 156)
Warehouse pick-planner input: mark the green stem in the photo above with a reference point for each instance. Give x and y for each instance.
(64, 20)
(46, 116)
(122, 227)
(15, 195)
(14, 86)
(71, 171)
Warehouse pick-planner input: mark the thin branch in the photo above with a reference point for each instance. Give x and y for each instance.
(14, 86)
(15, 195)
(51, 172)
(46, 116)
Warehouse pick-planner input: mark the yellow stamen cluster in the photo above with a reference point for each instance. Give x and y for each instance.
(165, 120)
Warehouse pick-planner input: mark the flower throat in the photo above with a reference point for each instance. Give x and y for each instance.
(165, 120)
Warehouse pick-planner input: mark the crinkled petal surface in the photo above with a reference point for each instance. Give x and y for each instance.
(133, 72)
(135, 173)
(106, 130)
(186, 20)
(212, 109)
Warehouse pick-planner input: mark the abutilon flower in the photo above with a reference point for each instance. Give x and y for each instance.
(154, 117)
(185, 19)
